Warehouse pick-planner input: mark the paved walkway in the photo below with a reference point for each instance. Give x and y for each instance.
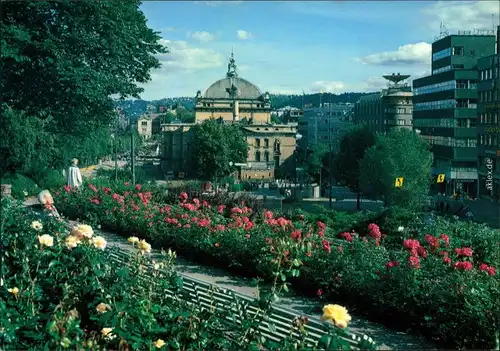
(386, 338)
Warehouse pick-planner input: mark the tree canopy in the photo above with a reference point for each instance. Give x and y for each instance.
(353, 146)
(61, 62)
(214, 146)
(400, 153)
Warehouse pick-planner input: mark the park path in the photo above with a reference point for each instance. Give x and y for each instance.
(387, 339)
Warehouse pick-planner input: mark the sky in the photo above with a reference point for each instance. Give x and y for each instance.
(293, 47)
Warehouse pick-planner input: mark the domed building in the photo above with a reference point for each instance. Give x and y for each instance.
(233, 99)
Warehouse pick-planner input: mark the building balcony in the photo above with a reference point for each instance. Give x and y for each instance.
(462, 112)
(465, 154)
(465, 94)
(465, 132)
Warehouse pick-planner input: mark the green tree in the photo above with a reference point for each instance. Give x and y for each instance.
(400, 153)
(61, 61)
(184, 115)
(352, 149)
(214, 146)
(315, 159)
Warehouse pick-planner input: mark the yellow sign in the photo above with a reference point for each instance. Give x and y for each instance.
(440, 178)
(399, 182)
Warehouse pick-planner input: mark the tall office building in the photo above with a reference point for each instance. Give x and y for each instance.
(444, 108)
(387, 109)
(488, 124)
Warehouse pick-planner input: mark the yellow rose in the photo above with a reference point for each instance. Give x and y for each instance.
(46, 240)
(72, 242)
(133, 239)
(99, 242)
(14, 291)
(36, 225)
(82, 231)
(102, 307)
(144, 246)
(159, 343)
(337, 314)
(107, 333)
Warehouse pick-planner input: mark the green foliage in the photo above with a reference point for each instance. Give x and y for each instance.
(184, 115)
(315, 160)
(21, 185)
(438, 299)
(400, 153)
(65, 290)
(58, 91)
(50, 179)
(214, 146)
(352, 150)
(26, 144)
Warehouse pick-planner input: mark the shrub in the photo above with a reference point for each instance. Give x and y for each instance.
(437, 290)
(21, 185)
(50, 179)
(63, 291)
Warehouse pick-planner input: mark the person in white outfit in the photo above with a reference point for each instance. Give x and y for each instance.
(74, 175)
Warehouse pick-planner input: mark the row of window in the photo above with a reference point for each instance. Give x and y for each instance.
(486, 96)
(489, 140)
(258, 156)
(449, 141)
(445, 104)
(443, 86)
(445, 122)
(490, 73)
(442, 69)
(441, 54)
(489, 118)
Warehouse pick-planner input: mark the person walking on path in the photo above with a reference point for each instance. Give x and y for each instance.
(74, 175)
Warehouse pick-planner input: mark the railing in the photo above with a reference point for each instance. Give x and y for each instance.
(277, 325)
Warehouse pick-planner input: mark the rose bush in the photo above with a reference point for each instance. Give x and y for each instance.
(430, 282)
(60, 290)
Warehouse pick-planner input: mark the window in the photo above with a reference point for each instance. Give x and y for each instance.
(472, 52)
(442, 69)
(266, 143)
(458, 51)
(435, 105)
(266, 156)
(401, 110)
(257, 156)
(449, 85)
(144, 123)
(401, 122)
(441, 54)
(435, 122)
(458, 66)
(257, 142)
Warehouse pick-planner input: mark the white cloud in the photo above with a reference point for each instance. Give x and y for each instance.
(461, 15)
(419, 53)
(183, 57)
(243, 34)
(202, 36)
(284, 91)
(327, 86)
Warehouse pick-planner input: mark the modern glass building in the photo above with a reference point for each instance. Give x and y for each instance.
(445, 108)
(488, 125)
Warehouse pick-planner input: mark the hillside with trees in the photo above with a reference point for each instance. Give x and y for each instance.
(133, 109)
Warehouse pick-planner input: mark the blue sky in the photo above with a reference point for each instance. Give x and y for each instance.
(290, 47)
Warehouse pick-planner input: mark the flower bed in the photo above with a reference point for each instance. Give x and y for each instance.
(430, 282)
(60, 290)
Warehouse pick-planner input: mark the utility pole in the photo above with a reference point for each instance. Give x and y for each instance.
(132, 157)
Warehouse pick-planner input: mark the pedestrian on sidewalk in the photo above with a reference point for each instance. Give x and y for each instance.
(74, 175)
